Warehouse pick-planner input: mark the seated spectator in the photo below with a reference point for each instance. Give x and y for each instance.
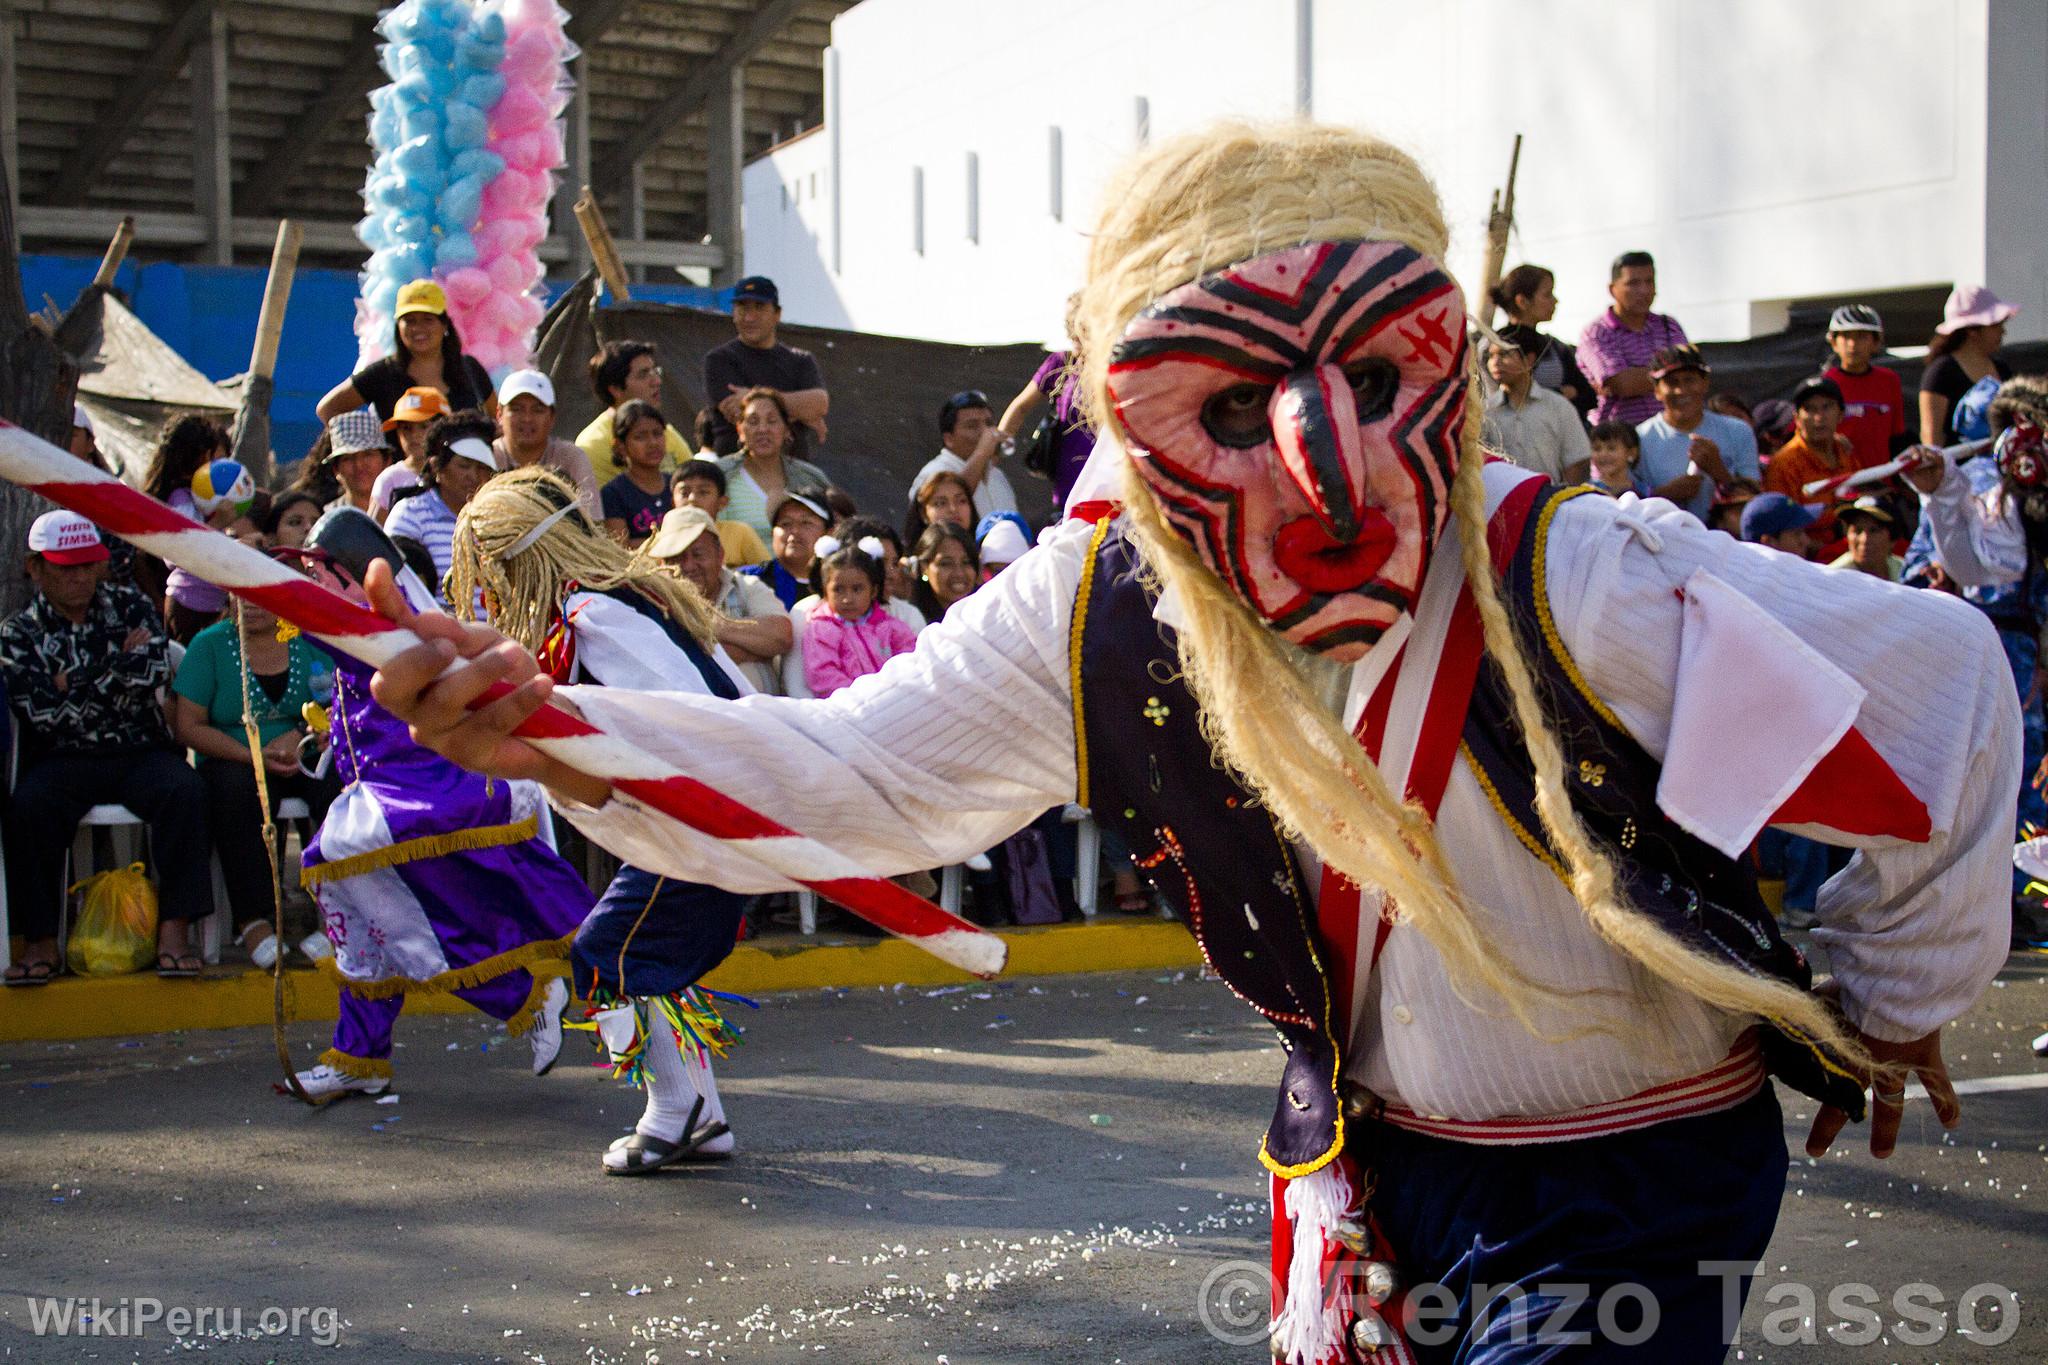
(357, 454)
(1614, 450)
(1686, 449)
(290, 519)
(407, 427)
(187, 445)
(1773, 421)
(84, 440)
(635, 502)
(752, 625)
(83, 664)
(799, 521)
(526, 408)
(1873, 402)
(1528, 295)
(459, 460)
(426, 352)
(898, 588)
(1775, 520)
(947, 568)
(850, 633)
(1526, 422)
(1816, 451)
(943, 497)
(700, 483)
(1731, 404)
(1730, 503)
(755, 360)
(1869, 527)
(619, 372)
(283, 679)
(974, 447)
(1617, 350)
(1001, 540)
(766, 468)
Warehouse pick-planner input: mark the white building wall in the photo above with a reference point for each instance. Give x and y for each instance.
(1764, 151)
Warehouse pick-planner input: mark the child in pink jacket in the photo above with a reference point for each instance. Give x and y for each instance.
(851, 634)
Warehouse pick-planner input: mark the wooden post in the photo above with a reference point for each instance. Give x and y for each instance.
(252, 414)
(117, 252)
(1500, 218)
(37, 384)
(604, 252)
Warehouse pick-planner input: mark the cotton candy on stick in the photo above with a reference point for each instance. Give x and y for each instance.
(55, 474)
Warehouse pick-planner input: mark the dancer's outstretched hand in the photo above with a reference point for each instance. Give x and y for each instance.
(411, 687)
(1922, 1059)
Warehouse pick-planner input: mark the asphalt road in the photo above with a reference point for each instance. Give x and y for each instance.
(1041, 1170)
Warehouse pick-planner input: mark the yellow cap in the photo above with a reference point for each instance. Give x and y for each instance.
(422, 296)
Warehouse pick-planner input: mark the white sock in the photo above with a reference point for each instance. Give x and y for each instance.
(670, 1094)
(699, 1069)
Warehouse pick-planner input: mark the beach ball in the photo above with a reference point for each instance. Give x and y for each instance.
(223, 481)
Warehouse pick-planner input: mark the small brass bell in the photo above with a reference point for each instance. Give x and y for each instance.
(1377, 1277)
(1370, 1334)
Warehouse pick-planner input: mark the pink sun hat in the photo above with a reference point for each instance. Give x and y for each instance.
(1972, 305)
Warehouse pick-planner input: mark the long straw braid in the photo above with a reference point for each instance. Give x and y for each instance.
(524, 592)
(1200, 202)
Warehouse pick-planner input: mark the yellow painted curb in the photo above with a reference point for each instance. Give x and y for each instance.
(238, 997)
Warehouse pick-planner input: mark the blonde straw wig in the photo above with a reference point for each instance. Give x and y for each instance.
(1198, 203)
(522, 539)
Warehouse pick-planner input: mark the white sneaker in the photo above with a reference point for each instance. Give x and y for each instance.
(323, 1080)
(264, 954)
(979, 863)
(314, 947)
(546, 1032)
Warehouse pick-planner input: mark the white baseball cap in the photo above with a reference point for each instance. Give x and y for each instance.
(64, 537)
(80, 417)
(529, 382)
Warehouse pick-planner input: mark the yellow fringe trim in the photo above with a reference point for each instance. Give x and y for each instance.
(1308, 924)
(545, 958)
(362, 1068)
(1539, 849)
(416, 850)
(1539, 570)
(1074, 660)
(529, 1013)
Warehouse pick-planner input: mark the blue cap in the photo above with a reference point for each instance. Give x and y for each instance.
(989, 523)
(1773, 514)
(757, 287)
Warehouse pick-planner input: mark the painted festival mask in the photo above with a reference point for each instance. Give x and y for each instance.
(1299, 418)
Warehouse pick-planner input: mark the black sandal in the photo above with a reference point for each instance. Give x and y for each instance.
(646, 1155)
(702, 1136)
(30, 973)
(172, 965)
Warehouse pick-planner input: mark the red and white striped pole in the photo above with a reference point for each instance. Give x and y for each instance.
(220, 559)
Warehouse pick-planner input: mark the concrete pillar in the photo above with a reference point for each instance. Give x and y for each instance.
(576, 144)
(212, 168)
(10, 122)
(724, 148)
(636, 216)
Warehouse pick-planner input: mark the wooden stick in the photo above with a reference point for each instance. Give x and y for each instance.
(603, 252)
(117, 252)
(277, 291)
(1500, 217)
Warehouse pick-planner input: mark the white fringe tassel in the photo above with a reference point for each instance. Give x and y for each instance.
(1308, 1331)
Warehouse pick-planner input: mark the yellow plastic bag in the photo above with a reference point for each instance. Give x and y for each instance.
(116, 929)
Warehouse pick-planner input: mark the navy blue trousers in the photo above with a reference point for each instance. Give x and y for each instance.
(1528, 1243)
(653, 935)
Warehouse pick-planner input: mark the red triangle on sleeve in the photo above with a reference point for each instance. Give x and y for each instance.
(1852, 789)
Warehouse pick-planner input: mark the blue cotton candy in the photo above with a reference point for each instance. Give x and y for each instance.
(481, 90)
(477, 161)
(466, 127)
(460, 204)
(455, 251)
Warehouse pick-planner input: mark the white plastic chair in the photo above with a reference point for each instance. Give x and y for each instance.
(1087, 858)
(951, 879)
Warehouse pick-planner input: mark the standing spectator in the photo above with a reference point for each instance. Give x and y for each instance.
(754, 360)
(619, 372)
(751, 623)
(1528, 295)
(1775, 520)
(1615, 451)
(1817, 450)
(187, 445)
(1687, 450)
(851, 634)
(83, 663)
(1869, 526)
(799, 521)
(1617, 348)
(1532, 426)
(701, 483)
(635, 502)
(358, 455)
(283, 679)
(948, 568)
(766, 470)
(84, 441)
(407, 428)
(425, 353)
(459, 461)
(1873, 404)
(973, 447)
(1963, 369)
(1072, 437)
(526, 406)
